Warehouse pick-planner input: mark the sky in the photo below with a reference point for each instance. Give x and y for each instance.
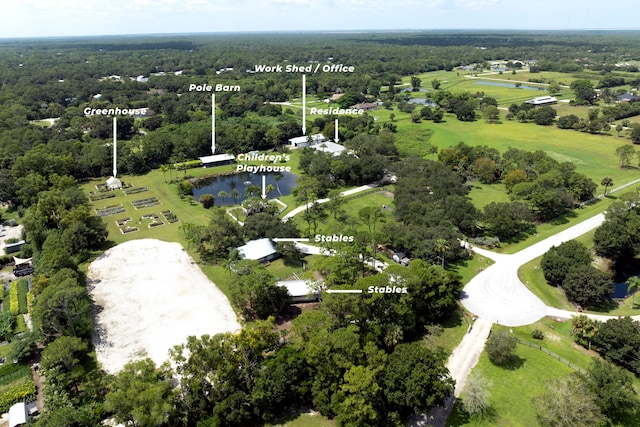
(55, 18)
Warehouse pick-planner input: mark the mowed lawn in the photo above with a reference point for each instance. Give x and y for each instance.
(512, 388)
(167, 195)
(593, 155)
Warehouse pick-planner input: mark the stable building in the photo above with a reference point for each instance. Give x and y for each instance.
(301, 291)
(261, 250)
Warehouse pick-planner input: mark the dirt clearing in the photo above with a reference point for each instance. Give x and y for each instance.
(150, 296)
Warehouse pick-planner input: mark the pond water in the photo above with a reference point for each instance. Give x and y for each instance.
(620, 290)
(510, 85)
(240, 182)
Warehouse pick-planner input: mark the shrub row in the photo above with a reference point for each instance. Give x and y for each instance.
(23, 372)
(22, 393)
(14, 305)
(9, 368)
(188, 165)
(23, 288)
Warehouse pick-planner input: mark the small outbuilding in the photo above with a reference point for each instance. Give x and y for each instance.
(217, 160)
(114, 183)
(261, 250)
(18, 415)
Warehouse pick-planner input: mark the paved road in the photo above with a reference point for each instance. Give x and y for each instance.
(498, 295)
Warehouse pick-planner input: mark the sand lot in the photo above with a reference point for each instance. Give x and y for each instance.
(150, 296)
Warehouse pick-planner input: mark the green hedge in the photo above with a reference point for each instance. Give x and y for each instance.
(188, 165)
(23, 288)
(9, 368)
(14, 305)
(19, 377)
(22, 393)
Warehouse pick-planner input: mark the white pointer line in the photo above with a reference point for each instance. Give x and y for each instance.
(344, 291)
(213, 123)
(277, 239)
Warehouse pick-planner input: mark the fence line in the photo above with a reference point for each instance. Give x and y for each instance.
(550, 353)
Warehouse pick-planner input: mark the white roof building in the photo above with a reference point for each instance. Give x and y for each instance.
(543, 100)
(18, 414)
(301, 290)
(303, 141)
(217, 158)
(260, 250)
(329, 147)
(114, 183)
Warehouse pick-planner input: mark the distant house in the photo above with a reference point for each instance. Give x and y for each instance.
(334, 97)
(217, 160)
(301, 290)
(628, 97)
(303, 141)
(543, 100)
(401, 258)
(261, 250)
(366, 106)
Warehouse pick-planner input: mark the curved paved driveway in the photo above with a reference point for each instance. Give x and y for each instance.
(498, 295)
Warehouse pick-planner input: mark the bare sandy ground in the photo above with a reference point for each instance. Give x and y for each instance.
(150, 296)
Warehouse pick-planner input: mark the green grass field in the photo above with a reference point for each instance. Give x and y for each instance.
(512, 389)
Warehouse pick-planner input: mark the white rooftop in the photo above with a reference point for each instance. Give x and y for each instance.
(114, 183)
(257, 249)
(329, 147)
(217, 158)
(318, 137)
(18, 414)
(298, 288)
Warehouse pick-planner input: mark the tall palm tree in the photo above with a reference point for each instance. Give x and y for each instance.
(442, 246)
(633, 284)
(269, 189)
(164, 169)
(278, 177)
(171, 168)
(235, 194)
(222, 194)
(607, 182)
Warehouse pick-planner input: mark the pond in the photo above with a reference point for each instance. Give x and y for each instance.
(240, 182)
(512, 85)
(620, 290)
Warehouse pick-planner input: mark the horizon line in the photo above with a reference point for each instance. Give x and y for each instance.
(337, 31)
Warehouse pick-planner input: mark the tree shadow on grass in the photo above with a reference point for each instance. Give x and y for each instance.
(563, 219)
(460, 417)
(514, 363)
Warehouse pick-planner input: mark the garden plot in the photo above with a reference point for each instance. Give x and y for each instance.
(149, 297)
(110, 210)
(145, 203)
